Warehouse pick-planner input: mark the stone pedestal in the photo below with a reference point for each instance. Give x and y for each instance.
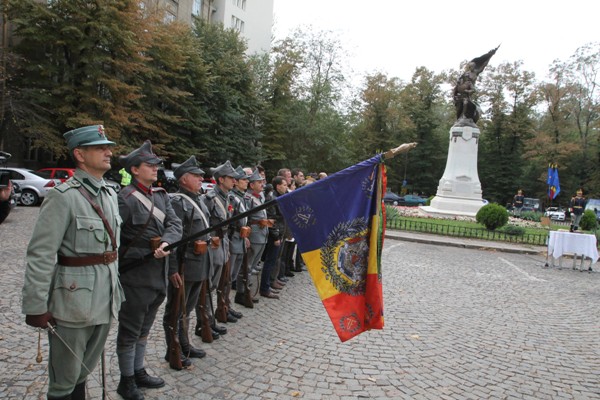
(459, 190)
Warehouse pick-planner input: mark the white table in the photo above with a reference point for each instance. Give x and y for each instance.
(561, 243)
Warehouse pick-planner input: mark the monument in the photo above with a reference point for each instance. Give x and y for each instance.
(459, 189)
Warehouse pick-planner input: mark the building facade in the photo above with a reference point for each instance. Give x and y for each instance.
(253, 19)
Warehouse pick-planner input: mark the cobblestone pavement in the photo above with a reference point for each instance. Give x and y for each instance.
(459, 324)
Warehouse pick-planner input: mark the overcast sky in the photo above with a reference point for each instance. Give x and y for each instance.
(397, 36)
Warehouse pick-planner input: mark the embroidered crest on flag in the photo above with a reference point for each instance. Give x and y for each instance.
(345, 256)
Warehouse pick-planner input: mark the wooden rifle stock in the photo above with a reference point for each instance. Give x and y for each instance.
(246, 277)
(204, 318)
(174, 344)
(221, 311)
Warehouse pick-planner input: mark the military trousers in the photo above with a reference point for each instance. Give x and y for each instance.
(64, 366)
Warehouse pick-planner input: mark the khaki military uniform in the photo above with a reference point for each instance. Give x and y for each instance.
(83, 300)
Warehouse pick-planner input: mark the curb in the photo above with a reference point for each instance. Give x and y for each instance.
(448, 241)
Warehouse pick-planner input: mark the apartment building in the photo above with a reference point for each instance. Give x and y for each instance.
(253, 19)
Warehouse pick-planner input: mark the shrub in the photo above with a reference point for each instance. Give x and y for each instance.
(514, 230)
(588, 221)
(492, 216)
(391, 212)
(531, 216)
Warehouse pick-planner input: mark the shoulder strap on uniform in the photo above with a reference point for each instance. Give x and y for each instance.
(193, 203)
(158, 214)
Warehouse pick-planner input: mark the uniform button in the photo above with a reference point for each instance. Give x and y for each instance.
(73, 286)
(91, 227)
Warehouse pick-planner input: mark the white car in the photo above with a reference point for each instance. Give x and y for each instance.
(555, 213)
(34, 185)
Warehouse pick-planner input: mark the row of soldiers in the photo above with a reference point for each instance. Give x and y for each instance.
(95, 255)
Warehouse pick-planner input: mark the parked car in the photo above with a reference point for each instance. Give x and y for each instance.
(555, 213)
(392, 198)
(34, 185)
(59, 173)
(166, 179)
(63, 174)
(412, 200)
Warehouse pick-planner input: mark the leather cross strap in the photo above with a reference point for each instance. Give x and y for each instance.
(94, 259)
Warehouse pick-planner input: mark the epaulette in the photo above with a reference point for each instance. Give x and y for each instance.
(68, 184)
(158, 189)
(211, 195)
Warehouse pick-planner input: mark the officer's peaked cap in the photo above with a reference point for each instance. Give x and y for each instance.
(92, 135)
(190, 165)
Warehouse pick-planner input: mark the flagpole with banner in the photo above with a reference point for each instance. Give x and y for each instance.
(339, 225)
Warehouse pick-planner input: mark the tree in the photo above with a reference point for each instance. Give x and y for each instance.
(509, 94)
(81, 61)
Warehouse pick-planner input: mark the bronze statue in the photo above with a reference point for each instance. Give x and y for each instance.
(467, 111)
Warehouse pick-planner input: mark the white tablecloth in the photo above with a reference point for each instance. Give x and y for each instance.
(572, 243)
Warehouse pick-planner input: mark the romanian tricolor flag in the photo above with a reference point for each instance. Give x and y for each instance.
(338, 223)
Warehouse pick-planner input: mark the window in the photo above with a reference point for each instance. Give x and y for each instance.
(31, 152)
(169, 17)
(197, 7)
(239, 4)
(237, 24)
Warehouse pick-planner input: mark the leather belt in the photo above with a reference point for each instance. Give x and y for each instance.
(105, 258)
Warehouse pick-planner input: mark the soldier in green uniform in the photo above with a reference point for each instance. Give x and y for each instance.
(71, 278)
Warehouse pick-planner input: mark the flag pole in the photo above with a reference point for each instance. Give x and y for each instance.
(387, 155)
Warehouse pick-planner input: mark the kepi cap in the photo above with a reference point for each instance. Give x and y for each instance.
(225, 169)
(240, 173)
(141, 154)
(92, 135)
(256, 176)
(188, 166)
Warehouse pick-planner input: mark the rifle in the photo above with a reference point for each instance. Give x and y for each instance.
(126, 267)
(179, 298)
(245, 277)
(174, 345)
(203, 317)
(221, 312)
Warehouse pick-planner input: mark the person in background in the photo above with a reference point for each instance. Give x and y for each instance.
(149, 225)
(577, 205)
(518, 202)
(71, 277)
(125, 177)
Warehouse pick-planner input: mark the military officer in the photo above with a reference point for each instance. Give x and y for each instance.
(190, 208)
(71, 278)
(149, 225)
(577, 204)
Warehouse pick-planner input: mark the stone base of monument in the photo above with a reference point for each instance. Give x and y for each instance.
(452, 206)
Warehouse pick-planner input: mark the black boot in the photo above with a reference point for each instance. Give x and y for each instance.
(128, 389)
(221, 330)
(185, 362)
(236, 314)
(142, 379)
(79, 392)
(187, 349)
